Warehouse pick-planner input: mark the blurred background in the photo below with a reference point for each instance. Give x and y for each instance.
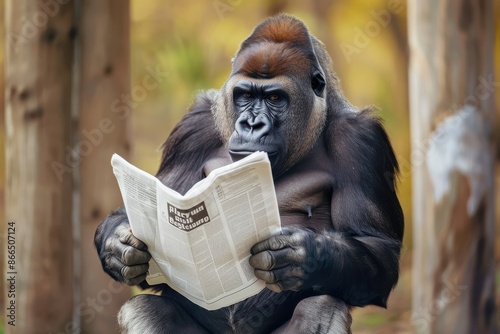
(192, 42)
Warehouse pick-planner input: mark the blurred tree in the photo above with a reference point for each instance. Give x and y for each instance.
(452, 113)
(274, 7)
(104, 109)
(39, 57)
(55, 156)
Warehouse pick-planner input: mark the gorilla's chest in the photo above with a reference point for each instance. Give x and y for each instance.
(304, 198)
(304, 193)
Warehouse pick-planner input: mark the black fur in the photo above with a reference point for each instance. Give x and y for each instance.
(192, 142)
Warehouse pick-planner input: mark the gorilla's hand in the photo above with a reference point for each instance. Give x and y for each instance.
(123, 256)
(290, 261)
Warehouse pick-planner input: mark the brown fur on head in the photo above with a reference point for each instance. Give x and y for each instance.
(282, 49)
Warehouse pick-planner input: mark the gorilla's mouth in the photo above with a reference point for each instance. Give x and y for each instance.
(238, 155)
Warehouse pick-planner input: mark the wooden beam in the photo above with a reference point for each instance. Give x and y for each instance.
(39, 57)
(105, 79)
(452, 114)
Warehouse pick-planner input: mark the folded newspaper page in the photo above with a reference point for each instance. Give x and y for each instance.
(200, 242)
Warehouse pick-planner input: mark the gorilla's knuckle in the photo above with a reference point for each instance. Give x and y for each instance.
(298, 238)
(124, 233)
(300, 254)
(126, 238)
(269, 260)
(270, 277)
(274, 243)
(125, 271)
(107, 261)
(129, 282)
(279, 243)
(128, 255)
(109, 244)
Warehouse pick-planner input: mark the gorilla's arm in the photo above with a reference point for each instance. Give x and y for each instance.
(366, 214)
(358, 260)
(192, 142)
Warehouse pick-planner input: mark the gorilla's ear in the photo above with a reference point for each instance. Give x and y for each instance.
(318, 82)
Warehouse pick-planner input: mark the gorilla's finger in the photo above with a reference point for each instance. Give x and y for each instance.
(273, 243)
(131, 256)
(294, 284)
(126, 274)
(283, 274)
(115, 267)
(268, 260)
(291, 284)
(126, 237)
(130, 272)
(136, 280)
(275, 287)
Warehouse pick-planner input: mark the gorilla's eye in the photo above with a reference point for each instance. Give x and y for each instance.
(274, 97)
(247, 95)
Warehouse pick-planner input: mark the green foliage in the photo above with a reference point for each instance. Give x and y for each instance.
(372, 320)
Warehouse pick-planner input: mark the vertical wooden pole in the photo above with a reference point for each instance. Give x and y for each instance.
(452, 116)
(2, 154)
(105, 81)
(39, 57)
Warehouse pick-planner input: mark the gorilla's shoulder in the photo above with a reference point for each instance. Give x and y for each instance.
(358, 138)
(190, 144)
(196, 128)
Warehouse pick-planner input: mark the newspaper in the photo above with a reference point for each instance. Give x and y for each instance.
(200, 242)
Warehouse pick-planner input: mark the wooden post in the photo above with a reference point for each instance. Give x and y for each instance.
(39, 56)
(452, 117)
(2, 158)
(105, 80)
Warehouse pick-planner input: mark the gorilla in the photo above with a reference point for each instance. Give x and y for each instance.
(334, 172)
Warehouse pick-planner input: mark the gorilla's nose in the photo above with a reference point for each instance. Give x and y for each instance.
(253, 127)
